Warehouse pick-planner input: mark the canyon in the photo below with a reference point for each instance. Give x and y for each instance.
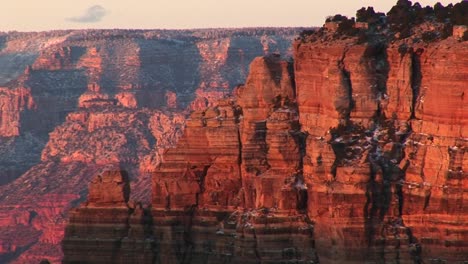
(350, 153)
(74, 102)
(340, 144)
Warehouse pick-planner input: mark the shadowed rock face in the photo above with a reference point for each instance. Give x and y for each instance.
(358, 155)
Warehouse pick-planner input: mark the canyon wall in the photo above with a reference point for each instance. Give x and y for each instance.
(75, 101)
(352, 153)
(385, 157)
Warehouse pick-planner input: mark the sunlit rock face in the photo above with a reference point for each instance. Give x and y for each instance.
(116, 226)
(232, 183)
(385, 158)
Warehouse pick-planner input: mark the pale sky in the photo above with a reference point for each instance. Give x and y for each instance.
(38, 15)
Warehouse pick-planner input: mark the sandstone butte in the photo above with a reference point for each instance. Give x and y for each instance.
(354, 152)
(73, 102)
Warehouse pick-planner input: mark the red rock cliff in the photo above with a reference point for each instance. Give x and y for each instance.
(355, 153)
(381, 154)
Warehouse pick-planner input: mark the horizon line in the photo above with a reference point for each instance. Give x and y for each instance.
(155, 29)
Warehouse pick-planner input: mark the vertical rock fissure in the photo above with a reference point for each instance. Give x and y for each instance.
(190, 214)
(348, 88)
(344, 107)
(201, 175)
(416, 78)
(370, 207)
(148, 225)
(274, 69)
(293, 77)
(381, 71)
(187, 235)
(238, 115)
(300, 139)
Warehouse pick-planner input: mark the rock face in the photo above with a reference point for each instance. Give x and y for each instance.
(226, 184)
(380, 155)
(354, 153)
(74, 101)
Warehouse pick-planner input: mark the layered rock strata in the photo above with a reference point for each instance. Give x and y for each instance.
(356, 156)
(231, 185)
(381, 154)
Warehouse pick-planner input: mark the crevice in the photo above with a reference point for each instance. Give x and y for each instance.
(292, 75)
(301, 189)
(416, 78)
(190, 214)
(415, 248)
(386, 190)
(399, 189)
(32, 214)
(345, 106)
(427, 198)
(272, 62)
(239, 141)
(148, 224)
(300, 140)
(378, 66)
(370, 207)
(201, 175)
(237, 115)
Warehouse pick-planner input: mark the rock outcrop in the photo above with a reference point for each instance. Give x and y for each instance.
(118, 229)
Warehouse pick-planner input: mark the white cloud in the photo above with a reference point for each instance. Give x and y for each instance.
(92, 15)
